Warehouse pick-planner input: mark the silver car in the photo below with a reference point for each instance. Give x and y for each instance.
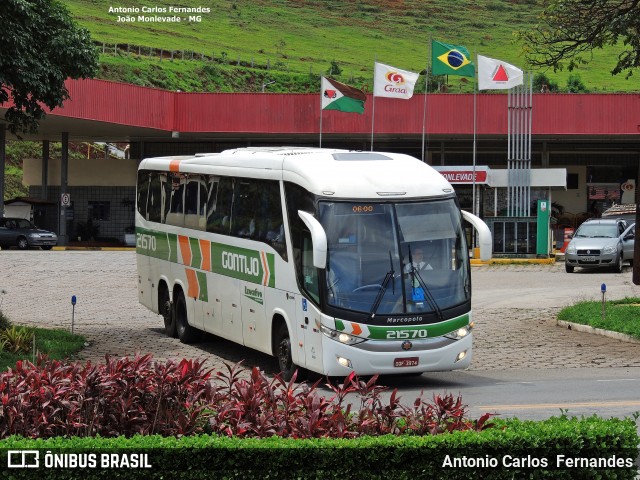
(600, 243)
(24, 234)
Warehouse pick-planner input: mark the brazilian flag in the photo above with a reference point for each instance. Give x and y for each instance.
(451, 60)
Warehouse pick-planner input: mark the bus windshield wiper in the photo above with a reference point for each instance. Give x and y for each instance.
(415, 274)
(383, 288)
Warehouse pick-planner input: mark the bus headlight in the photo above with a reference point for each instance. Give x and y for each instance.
(340, 336)
(459, 333)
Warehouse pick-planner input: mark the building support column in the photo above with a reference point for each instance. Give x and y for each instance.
(545, 155)
(64, 173)
(44, 191)
(3, 161)
(636, 247)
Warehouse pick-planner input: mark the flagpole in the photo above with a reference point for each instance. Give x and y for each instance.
(475, 127)
(424, 109)
(373, 107)
(321, 109)
(321, 93)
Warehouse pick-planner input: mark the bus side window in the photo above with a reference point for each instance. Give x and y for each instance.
(176, 200)
(143, 190)
(192, 202)
(297, 198)
(246, 204)
(309, 272)
(154, 207)
(212, 197)
(273, 224)
(219, 205)
(203, 195)
(165, 181)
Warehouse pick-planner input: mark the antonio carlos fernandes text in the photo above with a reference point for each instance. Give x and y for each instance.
(156, 9)
(561, 461)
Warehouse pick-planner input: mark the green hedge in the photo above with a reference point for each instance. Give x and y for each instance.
(388, 457)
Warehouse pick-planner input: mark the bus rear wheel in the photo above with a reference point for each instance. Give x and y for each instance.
(186, 333)
(166, 310)
(283, 352)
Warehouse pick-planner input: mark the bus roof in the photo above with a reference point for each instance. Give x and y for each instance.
(322, 171)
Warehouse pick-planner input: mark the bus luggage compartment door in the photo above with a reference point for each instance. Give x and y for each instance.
(231, 308)
(253, 315)
(144, 282)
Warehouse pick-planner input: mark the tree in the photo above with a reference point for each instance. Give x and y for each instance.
(543, 84)
(41, 47)
(575, 84)
(570, 30)
(334, 69)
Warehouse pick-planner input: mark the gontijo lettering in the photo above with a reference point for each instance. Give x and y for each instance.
(240, 263)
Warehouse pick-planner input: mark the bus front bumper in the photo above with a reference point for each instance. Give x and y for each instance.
(341, 360)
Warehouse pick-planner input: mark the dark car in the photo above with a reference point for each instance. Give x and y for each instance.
(23, 234)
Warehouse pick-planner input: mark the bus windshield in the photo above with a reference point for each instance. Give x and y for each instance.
(395, 258)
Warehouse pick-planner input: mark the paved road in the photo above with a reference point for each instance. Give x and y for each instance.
(514, 308)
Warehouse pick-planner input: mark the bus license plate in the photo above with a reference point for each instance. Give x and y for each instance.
(406, 362)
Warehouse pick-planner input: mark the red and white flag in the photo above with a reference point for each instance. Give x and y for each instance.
(392, 82)
(496, 74)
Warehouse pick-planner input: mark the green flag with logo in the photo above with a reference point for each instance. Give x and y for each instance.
(451, 60)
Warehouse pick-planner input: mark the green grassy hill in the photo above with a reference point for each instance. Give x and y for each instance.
(235, 41)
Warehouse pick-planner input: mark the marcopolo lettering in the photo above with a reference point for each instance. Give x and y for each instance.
(241, 263)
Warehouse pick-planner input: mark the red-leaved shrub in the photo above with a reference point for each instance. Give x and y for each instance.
(140, 396)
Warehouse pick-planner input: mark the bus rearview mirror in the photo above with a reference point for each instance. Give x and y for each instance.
(484, 235)
(318, 238)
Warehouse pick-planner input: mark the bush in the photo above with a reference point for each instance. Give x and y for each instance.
(575, 84)
(16, 339)
(514, 447)
(124, 397)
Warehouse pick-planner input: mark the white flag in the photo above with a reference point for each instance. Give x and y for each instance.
(393, 82)
(496, 74)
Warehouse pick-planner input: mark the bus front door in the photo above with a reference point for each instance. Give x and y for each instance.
(310, 344)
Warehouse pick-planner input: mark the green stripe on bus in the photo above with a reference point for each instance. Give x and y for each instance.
(202, 284)
(172, 240)
(196, 254)
(156, 244)
(236, 262)
(433, 329)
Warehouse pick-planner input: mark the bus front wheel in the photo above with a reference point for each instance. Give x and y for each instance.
(283, 347)
(186, 333)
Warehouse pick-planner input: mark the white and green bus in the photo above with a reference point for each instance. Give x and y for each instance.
(330, 260)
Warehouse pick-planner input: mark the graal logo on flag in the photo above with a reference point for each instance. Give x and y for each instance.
(393, 82)
(496, 74)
